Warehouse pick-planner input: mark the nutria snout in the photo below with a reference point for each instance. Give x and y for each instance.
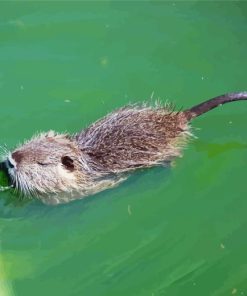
(60, 167)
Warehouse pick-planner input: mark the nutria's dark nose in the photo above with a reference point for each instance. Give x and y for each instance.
(10, 164)
(5, 165)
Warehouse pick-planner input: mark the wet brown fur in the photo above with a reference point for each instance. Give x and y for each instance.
(60, 167)
(134, 137)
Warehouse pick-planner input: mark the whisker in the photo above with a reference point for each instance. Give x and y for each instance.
(4, 152)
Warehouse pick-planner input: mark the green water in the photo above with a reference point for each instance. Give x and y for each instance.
(179, 231)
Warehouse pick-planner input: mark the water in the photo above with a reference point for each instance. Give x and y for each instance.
(178, 231)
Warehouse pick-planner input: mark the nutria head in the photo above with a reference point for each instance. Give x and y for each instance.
(48, 163)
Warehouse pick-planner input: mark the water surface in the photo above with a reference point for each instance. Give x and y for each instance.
(177, 231)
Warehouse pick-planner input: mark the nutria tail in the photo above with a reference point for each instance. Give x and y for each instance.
(213, 103)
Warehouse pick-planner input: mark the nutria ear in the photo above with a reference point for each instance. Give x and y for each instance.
(68, 163)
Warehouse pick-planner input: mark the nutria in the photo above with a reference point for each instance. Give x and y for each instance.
(61, 167)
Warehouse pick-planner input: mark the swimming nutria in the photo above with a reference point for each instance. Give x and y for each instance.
(60, 167)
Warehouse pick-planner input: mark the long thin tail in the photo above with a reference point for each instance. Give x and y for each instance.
(213, 103)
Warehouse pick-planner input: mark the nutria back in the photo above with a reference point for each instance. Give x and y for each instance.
(134, 137)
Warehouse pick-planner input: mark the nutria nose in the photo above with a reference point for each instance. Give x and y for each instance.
(5, 165)
(9, 164)
(17, 156)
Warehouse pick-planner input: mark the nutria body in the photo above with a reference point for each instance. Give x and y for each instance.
(60, 167)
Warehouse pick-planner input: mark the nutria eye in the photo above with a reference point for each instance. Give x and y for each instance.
(68, 162)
